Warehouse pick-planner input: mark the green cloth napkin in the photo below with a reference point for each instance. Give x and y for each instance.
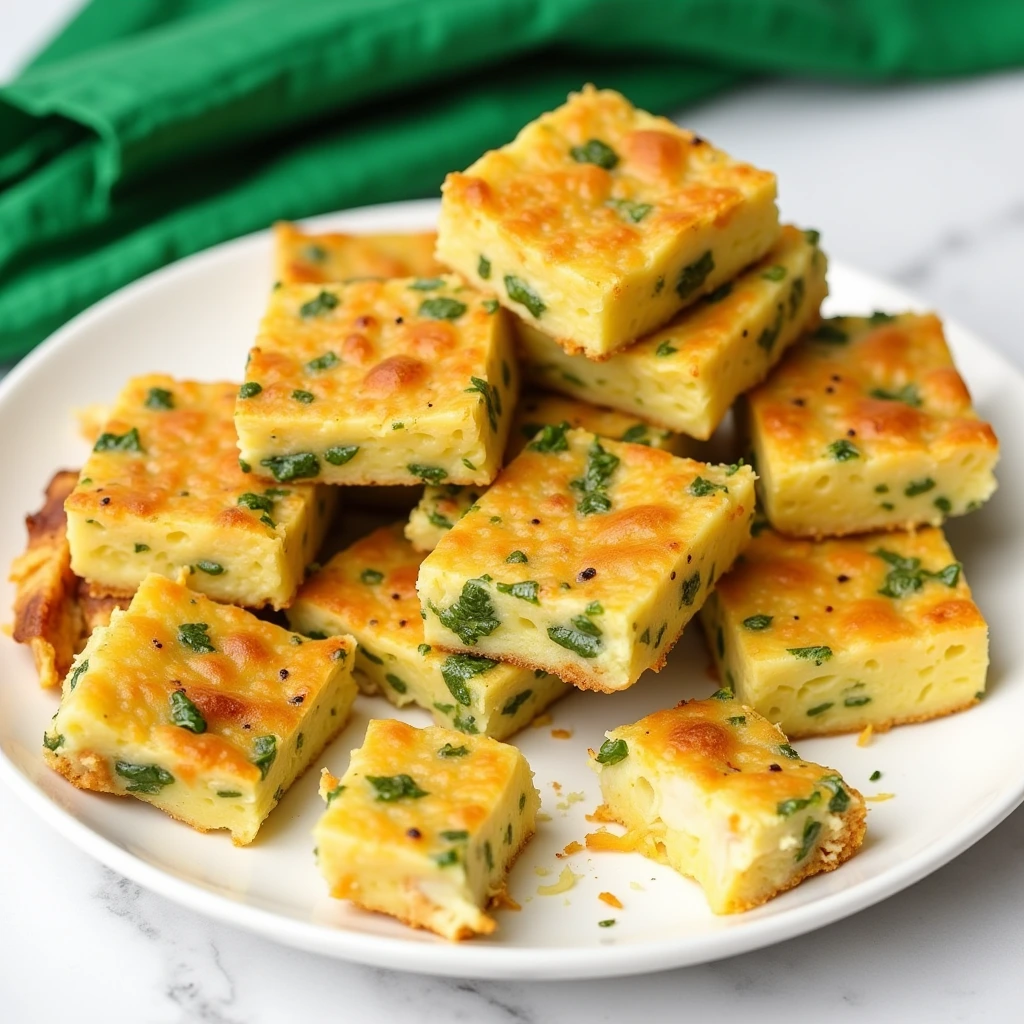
(150, 129)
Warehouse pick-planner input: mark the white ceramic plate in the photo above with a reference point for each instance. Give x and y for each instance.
(954, 779)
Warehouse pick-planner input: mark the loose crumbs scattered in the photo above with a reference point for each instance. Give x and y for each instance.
(864, 739)
(566, 880)
(611, 899)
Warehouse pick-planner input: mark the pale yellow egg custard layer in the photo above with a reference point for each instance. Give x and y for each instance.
(369, 591)
(867, 425)
(830, 636)
(163, 490)
(404, 381)
(599, 222)
(200, 709)
(425, 825)
(714, 790)
(686, 375)
(586, 558)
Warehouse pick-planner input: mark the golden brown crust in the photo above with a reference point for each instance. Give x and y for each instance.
(47, 615)
(97, 605)
(796, 734)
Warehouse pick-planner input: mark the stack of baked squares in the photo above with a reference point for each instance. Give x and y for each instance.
(603, 290)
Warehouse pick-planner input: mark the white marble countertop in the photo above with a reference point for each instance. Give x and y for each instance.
(920, 184)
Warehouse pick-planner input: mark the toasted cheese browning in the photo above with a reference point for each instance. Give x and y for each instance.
(163, 490)
(442, 506)
(714, 790)
(47, 614)
(200, 709)
(686, 375)
(600, 221)
(832, 636)
(379, 382)
(309, 258)
(586, 558)
(425, 825)
(369, 591)
(867, 425)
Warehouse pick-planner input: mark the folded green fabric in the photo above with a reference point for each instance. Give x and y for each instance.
(150, 129)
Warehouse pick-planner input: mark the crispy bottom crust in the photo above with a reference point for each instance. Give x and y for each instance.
(886, 726)
(567, 672)
(92, 773)
(499, 899)
(827, 857)
(909, 525)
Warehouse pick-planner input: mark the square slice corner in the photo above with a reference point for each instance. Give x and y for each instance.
(599, 222)
(867, 425)
(425, 825)
(163, 490)
(686, 375)
(402, 381)
(714, 790)
(586, 558)
(198, 708)
(831, 636)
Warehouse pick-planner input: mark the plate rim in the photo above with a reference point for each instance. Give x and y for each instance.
(480, 961)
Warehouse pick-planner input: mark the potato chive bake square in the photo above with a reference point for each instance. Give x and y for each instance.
(599, 221)
(830, 636)
(442, 506)
(369, 591)
(686, 375)
(714, 790)
(586, 558)
(425, 825)
(198, 708)
(307, 258)
(163, 490)
(867, 425)
(406, 381)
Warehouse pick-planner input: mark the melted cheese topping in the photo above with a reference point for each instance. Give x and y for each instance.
(301, 258)
(686, 375)
(830, 636)
(671, 527)
(369, 591)
(261, 694)
(441, 507)
(167, 497)
(715, 790)
(868, 425)
(595, 203)
(425, 825)
(379, 382)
